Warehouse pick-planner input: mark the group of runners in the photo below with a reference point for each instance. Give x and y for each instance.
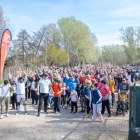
(90, 85)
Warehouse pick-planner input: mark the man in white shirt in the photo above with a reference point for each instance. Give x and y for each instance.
(5, 97)
(21, 93)
(43, 87)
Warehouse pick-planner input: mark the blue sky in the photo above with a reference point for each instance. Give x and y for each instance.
(104, 17)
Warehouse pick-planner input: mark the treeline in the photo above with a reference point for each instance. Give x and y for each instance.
(69, 42)
(128, 53)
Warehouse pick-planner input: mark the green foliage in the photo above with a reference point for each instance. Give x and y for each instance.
(131, 39)
(113, 54)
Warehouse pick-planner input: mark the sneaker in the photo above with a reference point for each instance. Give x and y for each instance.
(69, 104)
(45, 112)
(106, 112)
(109, 116)
(90, 111)
(17, 113)
(1, 116)
(66, 107)
(49, 106)
(7, 115)
(71, 112)
(101, 120)
(93, 121)
(74, 112)
(81, 111)
(57, 112)
(25, 113)
(38, 114)
(36, 104)
(61, 106)
(87, 116)
(53, 112)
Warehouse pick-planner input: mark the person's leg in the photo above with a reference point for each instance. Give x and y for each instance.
(99, 111)
(61, 99)
(72, 106)
(28, 92)
(36, 97)
(2, 101)
(113, 99)
(58, 103)
(49, 101)
(110, 101)
(108, 107)
(24, 103)
(94, 111)
(7, 101)
(18, 102)
(64, 99)
(13, 103)
(88, 107)
(32, 96)
(55, 104)
(76, 106)
(82, 104)
(45, 102)
(103, 107)
(40, 102)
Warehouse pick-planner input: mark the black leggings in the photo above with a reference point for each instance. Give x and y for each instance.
(72, 106)
(34, 96)
(63, 100)
(68, 95)
(106, 103)
(14, 100)
(88, 108)
(45, 96)
(113, 98)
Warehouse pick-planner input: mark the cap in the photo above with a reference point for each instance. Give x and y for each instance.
(72, 87)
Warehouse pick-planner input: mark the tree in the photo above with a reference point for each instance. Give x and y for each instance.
(22, 44)
(55, 56)
(3, 21)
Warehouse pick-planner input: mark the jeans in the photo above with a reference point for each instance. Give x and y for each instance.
(72, 106)
(23, 98)
(34, 96)
(83, 106)
(45, 96)
(4, 101)
(98, 106)
(56, 104)
(50, 99)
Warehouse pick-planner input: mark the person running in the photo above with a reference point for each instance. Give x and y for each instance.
(21, 93)
(43, 87)
(5, 97)
(57, 94)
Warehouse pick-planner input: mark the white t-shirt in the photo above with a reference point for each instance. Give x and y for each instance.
(21, 86)
(5, 90)
(44, 85)
(74, 97)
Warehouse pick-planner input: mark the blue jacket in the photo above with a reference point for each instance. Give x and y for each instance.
(95, 96)
(87, 91)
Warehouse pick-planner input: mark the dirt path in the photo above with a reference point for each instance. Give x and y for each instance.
(64, 126)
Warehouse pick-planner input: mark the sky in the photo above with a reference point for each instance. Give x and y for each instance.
(104, 17)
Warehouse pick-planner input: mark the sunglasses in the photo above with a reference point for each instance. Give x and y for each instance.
(123, 80)
(88, 83)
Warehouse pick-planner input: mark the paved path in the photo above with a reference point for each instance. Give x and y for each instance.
(64, 126)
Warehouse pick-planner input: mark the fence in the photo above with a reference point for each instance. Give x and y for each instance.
(12, 71)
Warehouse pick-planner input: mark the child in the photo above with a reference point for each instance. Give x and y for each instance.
(74, 98)
(51, 96)
(95, 99)
(63, 95)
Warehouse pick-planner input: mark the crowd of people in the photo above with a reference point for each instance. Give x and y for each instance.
(91, 86)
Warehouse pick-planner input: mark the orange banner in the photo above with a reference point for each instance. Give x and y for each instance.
(5, 42)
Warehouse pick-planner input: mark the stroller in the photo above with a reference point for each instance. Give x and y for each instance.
(122, 105)
(121, 108)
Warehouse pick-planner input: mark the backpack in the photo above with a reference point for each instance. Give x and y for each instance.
(58, 86)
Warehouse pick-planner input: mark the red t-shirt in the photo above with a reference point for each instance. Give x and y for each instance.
(82, 79)
(49, 77)
(104, 91)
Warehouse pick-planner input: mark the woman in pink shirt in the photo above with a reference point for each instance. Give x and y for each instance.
(104, 89)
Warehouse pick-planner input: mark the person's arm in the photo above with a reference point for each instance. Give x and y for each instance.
(25, 80)
(38, 88)
(99, 93)
(109, 93)
(90, 100)
(59, 91)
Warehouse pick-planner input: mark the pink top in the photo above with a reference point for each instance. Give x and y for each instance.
(64, 90)
(104, 91)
